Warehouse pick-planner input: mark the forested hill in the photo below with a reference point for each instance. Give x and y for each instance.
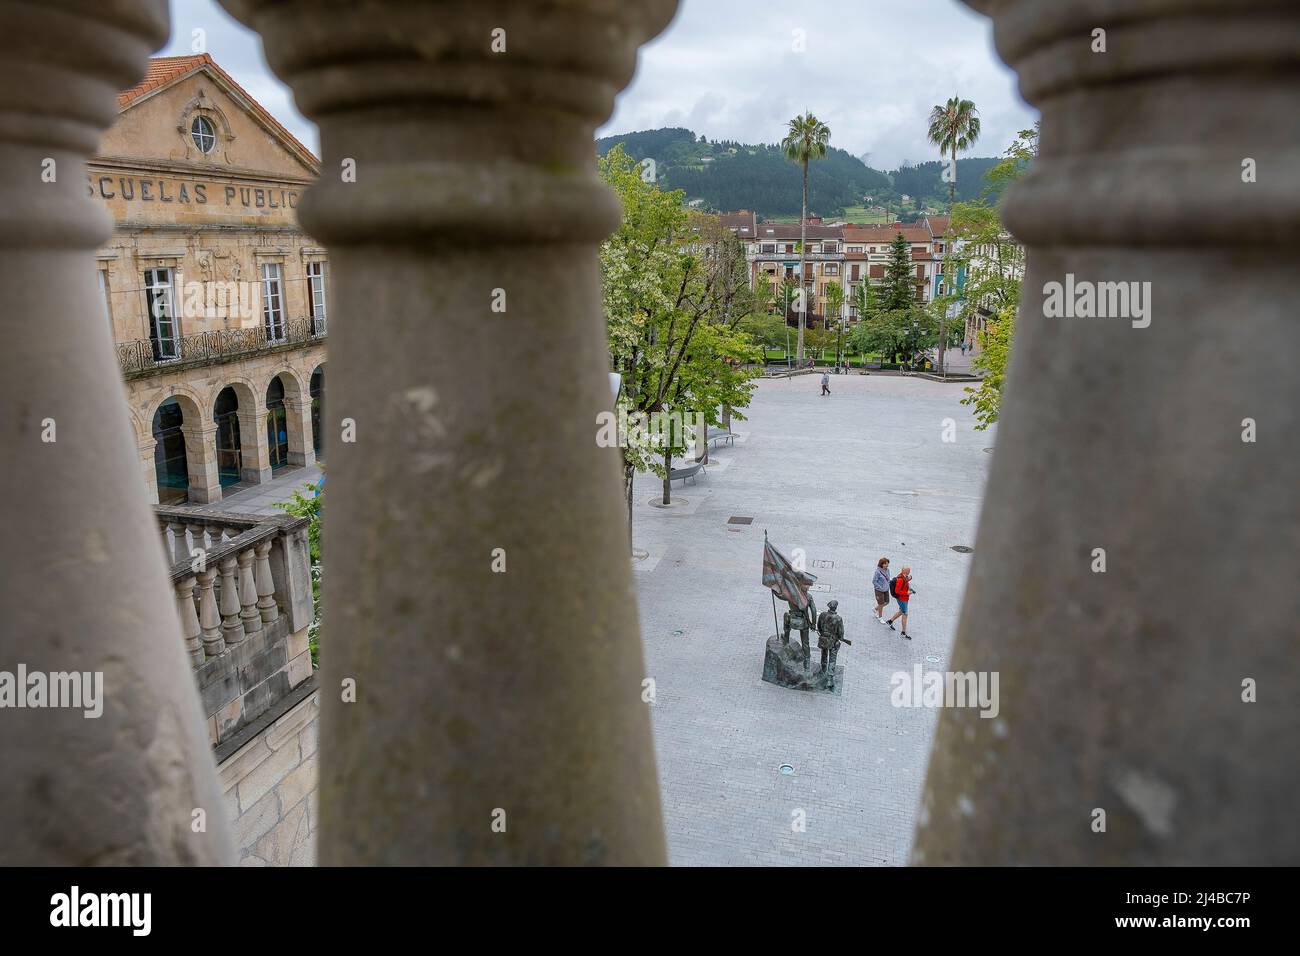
(729, 175)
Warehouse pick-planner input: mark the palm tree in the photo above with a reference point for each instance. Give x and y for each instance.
(806, 140)
(862, 298)
(954, 126)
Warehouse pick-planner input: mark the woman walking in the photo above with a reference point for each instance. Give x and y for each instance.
(880, 583)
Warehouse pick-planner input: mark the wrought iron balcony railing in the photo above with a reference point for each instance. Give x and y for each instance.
(147, 356)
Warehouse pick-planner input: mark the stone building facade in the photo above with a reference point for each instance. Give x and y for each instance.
(215, 297)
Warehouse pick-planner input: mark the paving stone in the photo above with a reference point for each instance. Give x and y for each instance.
(849, 478)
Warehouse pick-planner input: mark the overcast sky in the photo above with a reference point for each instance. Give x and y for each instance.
(728, 69)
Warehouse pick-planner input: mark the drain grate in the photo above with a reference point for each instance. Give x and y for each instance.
(787, 769)
(823, 563)
(962, 549)
(740, 519)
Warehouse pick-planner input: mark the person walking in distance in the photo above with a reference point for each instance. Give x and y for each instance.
(880, 584)
(826, 383)
(902, 590)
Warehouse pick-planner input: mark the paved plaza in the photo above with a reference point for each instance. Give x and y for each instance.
(261, 499)
(850, 478)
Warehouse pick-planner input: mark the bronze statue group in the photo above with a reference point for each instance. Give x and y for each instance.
(830, 635)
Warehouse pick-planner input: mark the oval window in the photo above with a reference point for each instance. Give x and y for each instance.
(205, 138)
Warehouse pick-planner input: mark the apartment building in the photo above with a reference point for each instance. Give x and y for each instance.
(216, 300)
(844, 254)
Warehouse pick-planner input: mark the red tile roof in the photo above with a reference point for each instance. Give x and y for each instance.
(166, 69)
(886, 234)
(741, 223)
(769, 231)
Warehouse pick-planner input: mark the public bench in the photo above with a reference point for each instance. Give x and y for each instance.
(687, 471)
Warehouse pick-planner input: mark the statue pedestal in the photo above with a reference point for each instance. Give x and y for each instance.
(783, 666)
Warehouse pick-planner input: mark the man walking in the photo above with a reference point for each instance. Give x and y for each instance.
(901, 588)
(826, 383)
(880, 584)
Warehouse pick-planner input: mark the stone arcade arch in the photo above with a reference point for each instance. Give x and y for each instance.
(225, 413)
(171, 469)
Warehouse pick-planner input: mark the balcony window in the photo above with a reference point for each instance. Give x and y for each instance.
(160, 304)
(272, 302)
(103, 291)
(316, 288)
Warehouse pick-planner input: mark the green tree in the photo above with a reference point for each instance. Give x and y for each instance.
(954, 126)
(806, 140)
(863, 299)
(768, 331)
(991, 266)
(834, 308)
(304, 506)
(673, 302)
(898, 291)
(898, 334)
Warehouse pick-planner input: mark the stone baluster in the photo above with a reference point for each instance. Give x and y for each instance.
(180, 546)
(265, 583)
(249, 612)
(119, 790)
(461, 152)
(1138, 550)
(197, 540)
(215, 533)
(166, 541)
(214, 645)
(232, 625)
(189, 620)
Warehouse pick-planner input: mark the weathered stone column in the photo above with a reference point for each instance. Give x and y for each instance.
(298, 414)
(498, 717)
(146, 448)
(201, 461)
(254, 453)
(84, 587)
(1169, 159)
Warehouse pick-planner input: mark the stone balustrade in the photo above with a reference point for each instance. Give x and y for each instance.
(244, 597)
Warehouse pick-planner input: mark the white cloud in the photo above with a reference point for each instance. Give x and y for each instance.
(726, 69)
(872, 69)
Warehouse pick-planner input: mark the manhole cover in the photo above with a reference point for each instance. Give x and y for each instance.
(678, 633)
(989, 450)
(787, 769)
(740, 519)
(962, 549)
(823, 563)
(931, 659)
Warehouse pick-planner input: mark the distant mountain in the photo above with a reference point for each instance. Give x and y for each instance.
(725, 175)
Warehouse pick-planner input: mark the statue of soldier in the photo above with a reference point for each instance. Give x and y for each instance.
(801, 620)
(830, 633)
